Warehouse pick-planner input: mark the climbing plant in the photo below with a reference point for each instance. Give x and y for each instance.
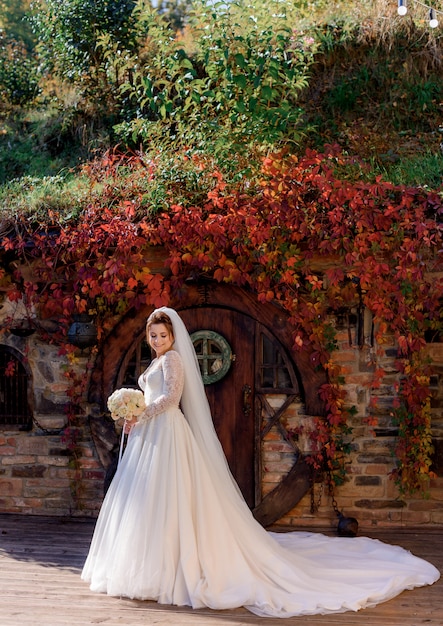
(232, 87)
(303, 235)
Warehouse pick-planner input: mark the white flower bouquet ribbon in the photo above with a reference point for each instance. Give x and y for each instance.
(125, 403)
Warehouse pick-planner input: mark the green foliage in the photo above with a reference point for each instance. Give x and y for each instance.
(347, 92)
(421, 100)
(183, 178)
(19, 78)
(43, 141)
(68, 34)
(19, 156)
(237, 87)
(34, 197)
(388, 80)
(412, 416)
(186, 178)
(14, 23)
(336, 33)
(374, 86)
(422, 168)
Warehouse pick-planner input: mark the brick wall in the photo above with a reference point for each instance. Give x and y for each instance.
(369, 494)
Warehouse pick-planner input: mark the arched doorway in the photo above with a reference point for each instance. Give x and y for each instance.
(242, 364)
(259, 344)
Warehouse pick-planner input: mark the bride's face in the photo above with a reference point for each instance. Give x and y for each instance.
(160, 339)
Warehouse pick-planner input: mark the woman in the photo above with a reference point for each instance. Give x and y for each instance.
(174, 526)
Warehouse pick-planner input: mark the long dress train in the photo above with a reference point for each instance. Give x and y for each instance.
(169, 530)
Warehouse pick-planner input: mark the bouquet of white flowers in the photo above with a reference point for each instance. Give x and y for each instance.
(126, 403)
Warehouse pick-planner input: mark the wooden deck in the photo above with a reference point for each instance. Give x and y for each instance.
(41, 560)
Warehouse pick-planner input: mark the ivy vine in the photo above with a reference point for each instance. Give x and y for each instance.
(302, 236)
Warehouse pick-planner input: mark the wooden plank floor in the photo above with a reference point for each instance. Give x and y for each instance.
(41, 559)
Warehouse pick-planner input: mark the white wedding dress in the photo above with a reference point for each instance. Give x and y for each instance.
(174, 527)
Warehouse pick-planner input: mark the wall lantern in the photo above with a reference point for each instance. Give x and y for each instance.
(82, 333)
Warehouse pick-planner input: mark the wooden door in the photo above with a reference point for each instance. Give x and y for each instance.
(232, 397)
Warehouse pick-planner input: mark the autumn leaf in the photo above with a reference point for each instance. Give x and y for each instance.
(10, 368)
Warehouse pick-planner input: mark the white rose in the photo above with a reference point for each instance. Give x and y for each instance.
(126, 403)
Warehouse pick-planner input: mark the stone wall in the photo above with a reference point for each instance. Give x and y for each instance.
(44, 472)
(39, 474)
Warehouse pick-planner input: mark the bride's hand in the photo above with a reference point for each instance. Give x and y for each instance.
(129, 424)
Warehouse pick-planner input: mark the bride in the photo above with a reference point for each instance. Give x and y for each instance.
(174, 527)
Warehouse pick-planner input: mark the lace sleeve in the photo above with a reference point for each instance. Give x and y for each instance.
(173, 379)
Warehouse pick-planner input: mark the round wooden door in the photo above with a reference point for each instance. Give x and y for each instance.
(231, 396)
(226, 323)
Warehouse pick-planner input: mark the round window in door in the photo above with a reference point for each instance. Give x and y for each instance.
(214, 355)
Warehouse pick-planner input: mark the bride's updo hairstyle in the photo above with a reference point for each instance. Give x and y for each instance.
(160, 317)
